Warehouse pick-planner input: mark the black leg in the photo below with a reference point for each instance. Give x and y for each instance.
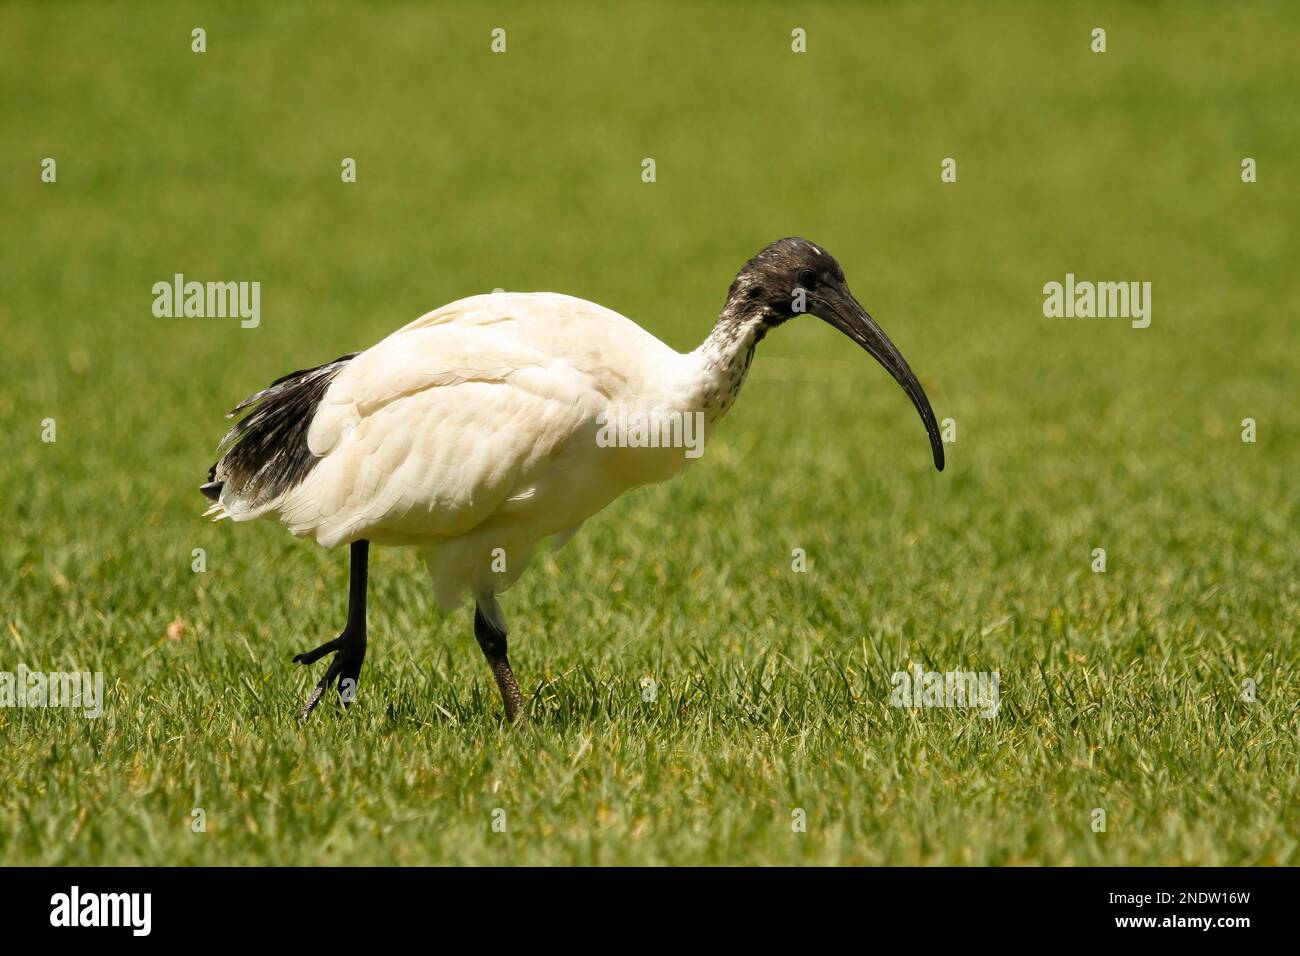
(349, 647)
(493, 641)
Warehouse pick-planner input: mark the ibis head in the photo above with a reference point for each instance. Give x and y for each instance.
(793, 276)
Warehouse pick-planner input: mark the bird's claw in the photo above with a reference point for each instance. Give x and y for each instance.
(345, 668)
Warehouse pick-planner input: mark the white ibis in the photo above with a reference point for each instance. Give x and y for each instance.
(474, 433)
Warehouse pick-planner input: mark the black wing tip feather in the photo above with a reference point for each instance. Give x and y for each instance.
(265, 453)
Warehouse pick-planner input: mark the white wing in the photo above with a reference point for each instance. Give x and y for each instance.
(469, 412)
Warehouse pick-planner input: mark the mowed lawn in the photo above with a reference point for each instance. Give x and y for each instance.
(1124, 691)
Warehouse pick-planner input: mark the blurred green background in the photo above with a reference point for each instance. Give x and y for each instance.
(1121, 691)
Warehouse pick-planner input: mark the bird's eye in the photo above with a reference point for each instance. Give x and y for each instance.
(807, 278)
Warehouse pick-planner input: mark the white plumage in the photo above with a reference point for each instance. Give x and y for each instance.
(474, 428)
(472, 433)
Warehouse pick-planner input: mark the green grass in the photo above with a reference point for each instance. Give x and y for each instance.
(1120, 691)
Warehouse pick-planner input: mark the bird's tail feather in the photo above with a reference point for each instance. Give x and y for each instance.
(265, 453)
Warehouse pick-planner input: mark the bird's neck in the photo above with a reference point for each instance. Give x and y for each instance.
(723, 359)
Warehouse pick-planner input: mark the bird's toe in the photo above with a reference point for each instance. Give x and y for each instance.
(312, 656)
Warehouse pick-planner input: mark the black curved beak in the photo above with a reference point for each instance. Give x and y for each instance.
(845, 313)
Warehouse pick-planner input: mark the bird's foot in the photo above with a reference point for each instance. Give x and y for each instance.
(349, 651)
